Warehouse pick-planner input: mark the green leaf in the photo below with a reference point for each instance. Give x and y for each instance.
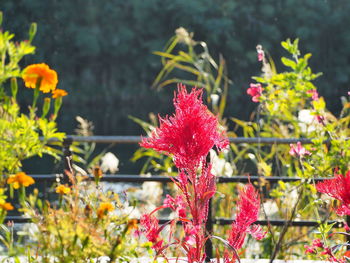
(288, 62)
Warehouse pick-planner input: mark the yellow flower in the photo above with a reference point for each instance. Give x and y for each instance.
(62, 189)
(40, 72)
(20, 179)
(6, 206)
(104, 208)
(57, 93)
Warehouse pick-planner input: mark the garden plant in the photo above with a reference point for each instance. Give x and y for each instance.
(81, 221)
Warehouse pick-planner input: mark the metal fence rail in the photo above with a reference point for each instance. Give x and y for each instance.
(128, 178)
(137, 139)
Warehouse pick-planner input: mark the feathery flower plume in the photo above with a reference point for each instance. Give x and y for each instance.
(190, 133)
(151, 229)
(248, 211)
(338, 188)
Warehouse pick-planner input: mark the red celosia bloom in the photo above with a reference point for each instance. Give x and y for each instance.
(248, 210)
(255, 90)
(338, 188)
(298, 150)
(151, 228)
(190, 133)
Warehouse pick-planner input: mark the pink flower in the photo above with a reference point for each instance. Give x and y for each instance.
(338, 188)
(190, 133)
(255, 90)
(261, 53)
(298, 150)
(313, 93)
(248, 210)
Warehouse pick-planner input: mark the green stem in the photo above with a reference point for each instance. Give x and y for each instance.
(22, 194)
(35, 97)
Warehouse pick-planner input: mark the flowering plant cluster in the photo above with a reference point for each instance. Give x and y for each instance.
(188, 136)
(25, 132)
(86, 223)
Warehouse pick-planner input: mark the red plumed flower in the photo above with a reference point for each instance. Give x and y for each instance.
(151, 229)
(248, 211)
(190, 133)
(338, 188)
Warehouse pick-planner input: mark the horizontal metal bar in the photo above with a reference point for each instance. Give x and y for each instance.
(280, 222)
(217, 221)
(137, 139)
(129, 178)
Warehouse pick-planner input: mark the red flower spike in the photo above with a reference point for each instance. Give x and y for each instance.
(151, 230)
(248, 210)
(338, 188)
(190, 133)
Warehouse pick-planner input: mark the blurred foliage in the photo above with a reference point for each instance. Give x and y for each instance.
(105, 55)
(85, 223)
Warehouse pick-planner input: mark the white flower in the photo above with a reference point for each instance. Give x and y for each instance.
(220, 166)
(271, 209)
(109, 163)
(306, 121)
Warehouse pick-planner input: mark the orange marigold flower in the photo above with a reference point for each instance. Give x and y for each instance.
(104, 208)
(62, 189)
(6, 206)
(57, 93)
(36, 72)
(20, 179)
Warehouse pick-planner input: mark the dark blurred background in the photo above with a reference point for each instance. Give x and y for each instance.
(102, 49)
